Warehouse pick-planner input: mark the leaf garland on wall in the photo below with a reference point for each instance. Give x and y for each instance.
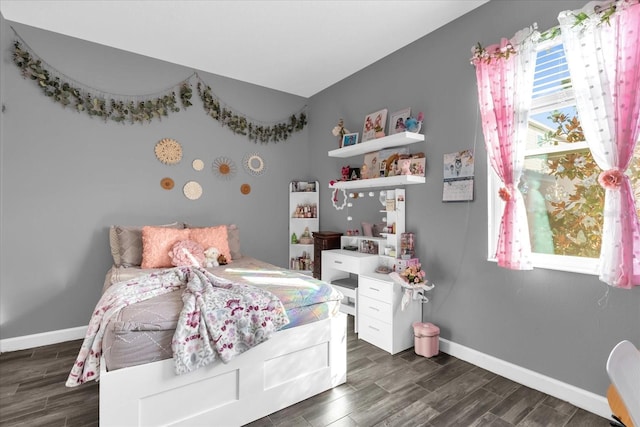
(239, 124)
(83, 99)
(145, 108)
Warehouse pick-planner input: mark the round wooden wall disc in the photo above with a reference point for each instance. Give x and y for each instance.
(245, 189)
(167, 183)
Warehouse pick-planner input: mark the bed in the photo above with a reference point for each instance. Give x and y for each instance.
(138, 382)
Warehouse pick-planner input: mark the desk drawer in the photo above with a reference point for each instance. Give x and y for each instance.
(340, 262)
(376, 289)
(374, 308)
(375, 332)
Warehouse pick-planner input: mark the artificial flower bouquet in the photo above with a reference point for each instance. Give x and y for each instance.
(414, 275)
(412, 279)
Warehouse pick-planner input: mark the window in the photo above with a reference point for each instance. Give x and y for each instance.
(560, 179)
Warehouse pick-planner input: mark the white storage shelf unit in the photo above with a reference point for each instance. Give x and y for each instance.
(303, 194)
(389, 242)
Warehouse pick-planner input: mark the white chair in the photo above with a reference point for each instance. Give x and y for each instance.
(623, 368)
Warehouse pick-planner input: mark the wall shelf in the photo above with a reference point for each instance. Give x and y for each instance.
(396, 140)
(389, 181)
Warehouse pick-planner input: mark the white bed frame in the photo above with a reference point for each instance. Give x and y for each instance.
(293, 365)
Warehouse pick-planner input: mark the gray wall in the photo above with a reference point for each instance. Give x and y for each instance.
(66, 177)
(559, 324)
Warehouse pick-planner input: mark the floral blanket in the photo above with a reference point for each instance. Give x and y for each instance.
(219, 318)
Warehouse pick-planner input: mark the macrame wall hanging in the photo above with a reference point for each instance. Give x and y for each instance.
(168, 151)
(145, 108)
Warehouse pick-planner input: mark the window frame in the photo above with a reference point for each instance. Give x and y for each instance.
(495, 205)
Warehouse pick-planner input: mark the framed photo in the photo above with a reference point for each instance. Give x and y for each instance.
(349, 139)
(354, 174)
(374, 122)
(371, 166)
(412, 166)
(397, 120)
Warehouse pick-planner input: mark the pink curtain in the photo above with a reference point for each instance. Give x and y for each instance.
(505, 83)
(604, 63)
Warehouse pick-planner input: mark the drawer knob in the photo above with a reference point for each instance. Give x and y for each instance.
(337, 262)
(375, 329)
(375, 289)
(373, 308)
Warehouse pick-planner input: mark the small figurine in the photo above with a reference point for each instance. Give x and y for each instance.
(414, 124)
(340, 131)
(345, 173)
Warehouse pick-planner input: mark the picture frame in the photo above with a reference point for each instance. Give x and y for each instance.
(373, 121)
(349, 139)
(354, 174)
(412, 166)
(397, 120)
(371, 166)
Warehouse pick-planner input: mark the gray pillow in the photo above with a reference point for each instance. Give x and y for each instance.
(126, 243)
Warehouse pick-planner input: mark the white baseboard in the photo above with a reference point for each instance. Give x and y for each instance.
(583, 399)
(45, 338)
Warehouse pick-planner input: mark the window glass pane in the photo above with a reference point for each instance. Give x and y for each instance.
(634, 173)
(552, 73)
(560, 186)
(564, 203)
(560, 127)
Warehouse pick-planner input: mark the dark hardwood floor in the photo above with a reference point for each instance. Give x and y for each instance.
(381, 390)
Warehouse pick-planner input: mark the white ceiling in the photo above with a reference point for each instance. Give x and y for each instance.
(295, 46)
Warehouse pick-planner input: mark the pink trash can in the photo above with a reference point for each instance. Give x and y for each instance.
(427, 337)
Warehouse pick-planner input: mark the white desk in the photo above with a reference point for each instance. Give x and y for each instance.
(373, 299)
(342, 268)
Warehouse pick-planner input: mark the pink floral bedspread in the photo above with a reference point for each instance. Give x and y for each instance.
(219, 318)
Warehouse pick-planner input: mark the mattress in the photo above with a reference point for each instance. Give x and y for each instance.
(142, 332)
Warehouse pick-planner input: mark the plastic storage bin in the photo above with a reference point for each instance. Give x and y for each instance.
(427, 337)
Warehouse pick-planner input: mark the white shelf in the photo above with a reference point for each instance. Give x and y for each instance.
(298, 195)
(396, 140)
(389, 181)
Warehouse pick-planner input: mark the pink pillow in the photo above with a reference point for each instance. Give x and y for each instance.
(187, 253)
(156, 244)
(212, 237)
